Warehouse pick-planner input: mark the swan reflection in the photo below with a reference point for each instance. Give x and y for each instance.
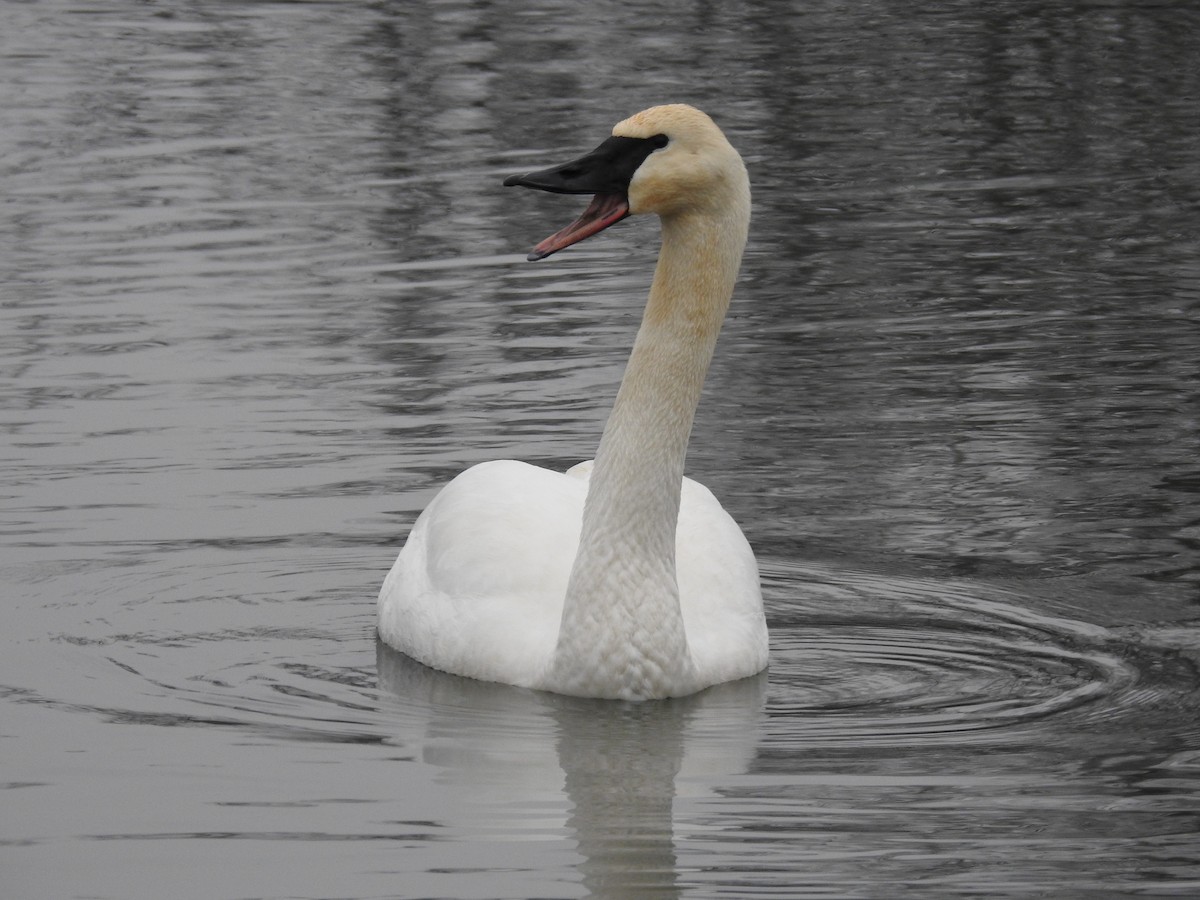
(605, 775)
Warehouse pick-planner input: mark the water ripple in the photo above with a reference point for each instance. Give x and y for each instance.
(868, 659)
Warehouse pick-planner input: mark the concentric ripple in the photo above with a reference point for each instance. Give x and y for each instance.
(862, 658)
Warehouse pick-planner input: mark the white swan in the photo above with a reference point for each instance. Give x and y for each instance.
(621, 578)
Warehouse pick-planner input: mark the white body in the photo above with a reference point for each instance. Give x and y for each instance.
(620, 578)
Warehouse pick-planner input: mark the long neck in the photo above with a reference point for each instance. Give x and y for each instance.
(622, 631)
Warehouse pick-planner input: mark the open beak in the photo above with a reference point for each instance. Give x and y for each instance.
(605, 173)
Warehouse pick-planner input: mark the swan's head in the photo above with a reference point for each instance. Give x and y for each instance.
(665, 160)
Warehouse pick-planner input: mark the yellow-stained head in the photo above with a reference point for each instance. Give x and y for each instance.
(696, 169)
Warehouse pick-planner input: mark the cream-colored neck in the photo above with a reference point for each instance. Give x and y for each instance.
(622, 632)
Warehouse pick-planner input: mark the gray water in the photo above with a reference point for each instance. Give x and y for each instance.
(262, 293)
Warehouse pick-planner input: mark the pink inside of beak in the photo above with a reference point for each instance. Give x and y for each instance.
(604, 210)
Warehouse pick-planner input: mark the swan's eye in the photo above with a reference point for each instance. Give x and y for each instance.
(659, 141)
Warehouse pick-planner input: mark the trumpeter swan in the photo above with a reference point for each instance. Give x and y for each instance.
(620, 578)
